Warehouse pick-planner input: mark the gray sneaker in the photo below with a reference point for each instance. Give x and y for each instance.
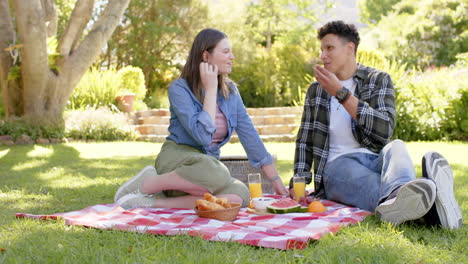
(134, 185)
(413, 201)
(445, 211)
(136, 200)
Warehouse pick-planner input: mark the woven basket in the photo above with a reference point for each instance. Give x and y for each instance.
(228, 214)
(240, 167)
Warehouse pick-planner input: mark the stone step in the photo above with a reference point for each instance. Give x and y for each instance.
(276, 129)
(257, 120)
(291, 110)
(276, 119)
(287, 129)
(156, 120)
(268, 111)
(153, 112)
(234, 138)
(152, 129)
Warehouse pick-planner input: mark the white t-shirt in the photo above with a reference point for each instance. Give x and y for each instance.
(342, 140)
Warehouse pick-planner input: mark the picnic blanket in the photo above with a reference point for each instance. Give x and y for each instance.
(280, 231)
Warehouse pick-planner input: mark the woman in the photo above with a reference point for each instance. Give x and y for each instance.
(206, 108)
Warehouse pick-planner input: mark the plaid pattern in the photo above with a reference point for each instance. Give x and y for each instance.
(372, 129)
(286, 231)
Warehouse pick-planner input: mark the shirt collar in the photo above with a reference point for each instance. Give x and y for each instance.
(361, 71)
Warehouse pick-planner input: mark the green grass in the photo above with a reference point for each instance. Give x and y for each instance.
(65, 177)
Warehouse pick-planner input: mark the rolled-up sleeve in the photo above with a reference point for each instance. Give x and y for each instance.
(249, 138)
(194, 120)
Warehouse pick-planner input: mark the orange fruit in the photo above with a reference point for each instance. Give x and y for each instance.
(316, 207)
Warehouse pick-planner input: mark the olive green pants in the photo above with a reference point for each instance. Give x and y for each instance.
(200, 169)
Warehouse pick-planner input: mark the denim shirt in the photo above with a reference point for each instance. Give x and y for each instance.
(191, 125)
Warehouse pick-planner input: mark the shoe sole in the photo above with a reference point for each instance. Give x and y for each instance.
(124, 200)
(448, 210)
(413, 201)
(121, 191)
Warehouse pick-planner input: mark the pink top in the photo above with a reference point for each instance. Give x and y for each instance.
(221, 127)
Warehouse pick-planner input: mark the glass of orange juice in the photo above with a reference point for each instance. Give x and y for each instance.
(255, 185)
(299, 187)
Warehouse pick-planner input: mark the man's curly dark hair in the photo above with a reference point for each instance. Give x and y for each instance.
(341, 29)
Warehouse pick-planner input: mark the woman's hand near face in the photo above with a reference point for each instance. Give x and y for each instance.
(209, 77)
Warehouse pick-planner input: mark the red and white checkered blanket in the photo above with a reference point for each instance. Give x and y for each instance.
(281, 231)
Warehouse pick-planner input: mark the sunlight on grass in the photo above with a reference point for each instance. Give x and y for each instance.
(29, 165)
(40, 152)
(4, 152)
(101, 149)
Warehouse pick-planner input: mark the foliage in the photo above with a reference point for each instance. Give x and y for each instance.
(158, 99)
(98, 124)
(281, 81)
(431, 105)
(423, 33)
(152, 36)
(371, 11)
(97, 88)
(64, 9)
(133, 81)
(274, 67)
(17, 127)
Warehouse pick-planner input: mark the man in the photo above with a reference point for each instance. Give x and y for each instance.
(348, 120)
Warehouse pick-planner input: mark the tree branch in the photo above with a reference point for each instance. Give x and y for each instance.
(50, 17)
(79, 19)
(73, 68)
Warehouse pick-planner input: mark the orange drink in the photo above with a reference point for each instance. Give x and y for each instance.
(299, 187)
(255, 185)
(255, 190)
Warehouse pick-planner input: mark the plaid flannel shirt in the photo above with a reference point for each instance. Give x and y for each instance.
(372, 129)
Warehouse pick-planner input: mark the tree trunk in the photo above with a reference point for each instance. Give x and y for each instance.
(30, 86)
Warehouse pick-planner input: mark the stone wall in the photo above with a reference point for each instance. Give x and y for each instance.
(272, 123)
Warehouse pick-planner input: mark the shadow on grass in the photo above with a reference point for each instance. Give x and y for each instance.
(60, 180)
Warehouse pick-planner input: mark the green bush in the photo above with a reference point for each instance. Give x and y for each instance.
(98, 124)
(431, 105)
(18, 126)
(96, 89)
(422, 33)
(275, 77)
(99, 88)
(132, 81)
(158, 99)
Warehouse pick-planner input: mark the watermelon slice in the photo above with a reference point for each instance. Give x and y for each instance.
(284, 206)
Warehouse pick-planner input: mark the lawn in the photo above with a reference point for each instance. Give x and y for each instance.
(65, 177)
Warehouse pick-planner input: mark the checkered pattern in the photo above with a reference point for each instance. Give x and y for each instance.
(280, 231)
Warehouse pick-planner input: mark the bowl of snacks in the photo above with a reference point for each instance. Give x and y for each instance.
(261, 203)
(216, 208)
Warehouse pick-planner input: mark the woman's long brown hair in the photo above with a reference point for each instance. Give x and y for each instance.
(206, 40)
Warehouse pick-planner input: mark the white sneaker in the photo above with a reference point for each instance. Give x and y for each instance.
(136, 200)
(413, 201)
(134, 185)
(445, 211)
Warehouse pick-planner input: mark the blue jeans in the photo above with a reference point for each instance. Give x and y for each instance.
(365, 180)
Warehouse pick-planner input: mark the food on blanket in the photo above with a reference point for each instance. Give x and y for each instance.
(283, 206)
(316, 207)
(303, 209)
(204, 205)
(261, 203)
(210, 202)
